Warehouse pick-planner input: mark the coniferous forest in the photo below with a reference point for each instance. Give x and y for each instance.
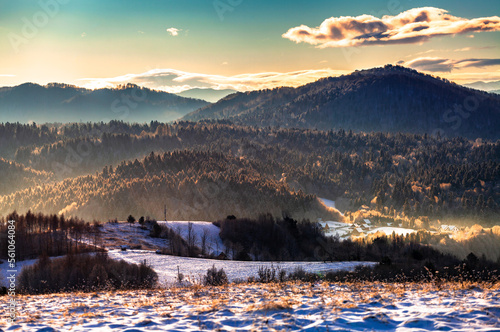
(210, 169)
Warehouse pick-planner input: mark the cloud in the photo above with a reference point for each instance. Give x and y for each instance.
(173, 31)
(447, 65)
(84, 35)
(175, 81)
(430, 64)
(464, 49)
(473, 77)
(478, 63)
(416, 25)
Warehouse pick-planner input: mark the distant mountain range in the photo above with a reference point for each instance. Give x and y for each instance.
(210, 95)
(67, 103)
(389, 99)
(486, 86)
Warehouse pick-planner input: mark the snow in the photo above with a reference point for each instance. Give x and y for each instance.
(334, 224)
(114, 235)
(4, 268)
(195, 268)
(266, 307)
(214, 242)
(367, 221)
(449, 228)
(340, 232)
(389, 230)
(335, 228)
(329, 203)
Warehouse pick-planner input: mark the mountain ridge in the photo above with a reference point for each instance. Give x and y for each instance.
(485, 86)
(389, 99)
(59, 102)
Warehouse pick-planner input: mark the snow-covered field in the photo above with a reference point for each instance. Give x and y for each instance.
(194, 268)
(268, 307)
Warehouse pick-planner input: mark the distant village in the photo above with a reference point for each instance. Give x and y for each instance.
(365, 227)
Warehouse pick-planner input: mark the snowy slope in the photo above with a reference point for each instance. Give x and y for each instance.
(214, 242)
(4, 267)
(329, 203)
(122, 233)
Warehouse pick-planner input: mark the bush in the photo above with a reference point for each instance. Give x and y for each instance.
(300, 274)
(155, 230)
(215, 277)
(84, 273)
(271, 274)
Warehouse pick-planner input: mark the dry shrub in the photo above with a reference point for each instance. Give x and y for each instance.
(215, 277)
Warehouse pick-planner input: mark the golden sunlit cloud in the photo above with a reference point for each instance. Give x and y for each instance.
(175, 81)
(412, 26)
(433, 64)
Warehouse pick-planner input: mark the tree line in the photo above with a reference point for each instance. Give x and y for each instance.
(49, 234)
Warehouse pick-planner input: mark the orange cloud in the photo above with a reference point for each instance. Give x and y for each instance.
(412, 26)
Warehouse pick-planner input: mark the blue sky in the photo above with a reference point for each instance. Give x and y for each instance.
(179, 44)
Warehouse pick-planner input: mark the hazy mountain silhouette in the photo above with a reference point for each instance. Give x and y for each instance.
(486, 86)
(390, 99)
(67, 103)
(210, 95)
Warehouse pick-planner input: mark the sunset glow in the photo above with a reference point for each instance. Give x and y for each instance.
(241, 45)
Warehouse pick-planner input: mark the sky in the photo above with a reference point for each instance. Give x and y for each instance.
(175, 45)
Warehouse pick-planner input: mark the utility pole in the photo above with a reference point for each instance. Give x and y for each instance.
(165, 212)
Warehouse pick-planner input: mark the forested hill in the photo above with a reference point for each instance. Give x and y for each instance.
(395, 174)
(192, 185)
(67, 103)
(390, 99)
